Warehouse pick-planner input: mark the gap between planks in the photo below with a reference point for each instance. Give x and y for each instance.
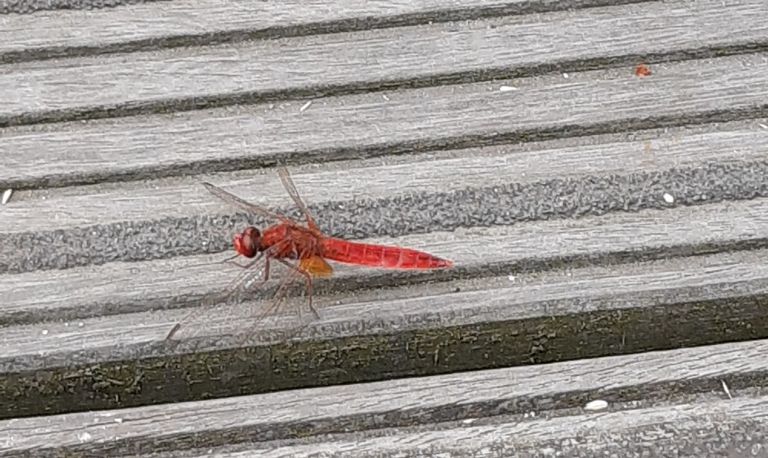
(155, 25)
(651, 381)
(680, 231)
(518, 295)
(619, 309)
(401, 53)
(523, 163)
(729, 427)
(410, 121)
(425, 52)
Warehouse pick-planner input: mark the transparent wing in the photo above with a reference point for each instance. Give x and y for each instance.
(235, 201)
(279, 298)
(287, 181)
(273, 307)
(242, 282)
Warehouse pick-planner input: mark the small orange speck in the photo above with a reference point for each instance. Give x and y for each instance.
(642, 70)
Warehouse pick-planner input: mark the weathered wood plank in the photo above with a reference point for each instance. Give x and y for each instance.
(33, 6)
(526, 163)
(118, 361)
(566, 249)
(646, 392)
(591, 213)
(73, 294)
(187, 23)
(367, 125)
(509, 204)
(731, 428)
(167, 80)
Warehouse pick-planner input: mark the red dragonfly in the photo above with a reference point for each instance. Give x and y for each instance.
(307, 247)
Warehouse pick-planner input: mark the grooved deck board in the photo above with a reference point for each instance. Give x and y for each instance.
(638, 389)
(184, 22)
(368, 125)
(121, 287)
(490, 322)
(253, 70)
(533, 163)
(609, 230)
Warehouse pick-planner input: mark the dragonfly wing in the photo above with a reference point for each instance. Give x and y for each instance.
(278, 299)
(219, 299)
(316, 266)
(244, 281)
(289, 186)
(244, 205)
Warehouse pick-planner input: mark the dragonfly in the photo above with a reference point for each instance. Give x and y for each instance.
(303, 248)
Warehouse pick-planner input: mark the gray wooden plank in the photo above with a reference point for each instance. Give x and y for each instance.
(497, 205)
(248, 71)
(731, 428)
(527, 163)
(78, 293)
(529, 317)
(578, 258)
(414, 308)
(366, 125)
(184, 23)
(542, 404)
(33, 6)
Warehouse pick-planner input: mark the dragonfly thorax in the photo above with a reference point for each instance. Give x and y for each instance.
(248, 242)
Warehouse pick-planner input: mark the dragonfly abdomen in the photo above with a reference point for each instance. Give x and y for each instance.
(390, 257)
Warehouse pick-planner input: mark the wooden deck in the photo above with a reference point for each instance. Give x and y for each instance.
(610, 231)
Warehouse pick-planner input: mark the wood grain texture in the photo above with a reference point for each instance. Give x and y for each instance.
(148, 285)
(187, 23)
(12, 7)
(478, 406)
(367, 125)
(507, 204)
(448, 171)
(256, 70)
(120, 360)
(609, 230)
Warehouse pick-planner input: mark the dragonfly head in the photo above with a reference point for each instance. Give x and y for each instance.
(248, 242)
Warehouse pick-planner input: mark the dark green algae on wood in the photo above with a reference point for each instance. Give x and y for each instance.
(296, 364)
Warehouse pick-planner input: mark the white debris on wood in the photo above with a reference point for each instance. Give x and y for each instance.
(764, 126)
(84, 437)
(7, 195)
(306, 105)
(507, 88)
(597, 404)
(668, 198)
(565, 75)
(725, 388)
(384, 96)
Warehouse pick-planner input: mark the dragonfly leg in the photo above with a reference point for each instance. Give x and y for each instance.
(308, 278)
(238, 285)
(266, 270)
(309, 294)
(247, 265)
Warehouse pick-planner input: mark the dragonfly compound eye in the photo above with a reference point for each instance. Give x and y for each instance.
(247, 243)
